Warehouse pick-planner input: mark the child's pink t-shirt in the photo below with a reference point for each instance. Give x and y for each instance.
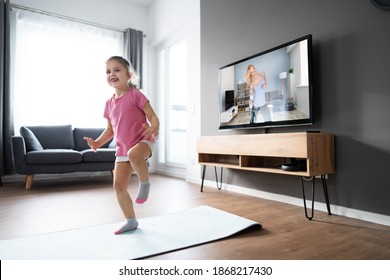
(127, 118)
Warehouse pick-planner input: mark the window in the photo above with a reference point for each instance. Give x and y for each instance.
(172, 85)
(177, 103)
(303, 54)
(59, 73)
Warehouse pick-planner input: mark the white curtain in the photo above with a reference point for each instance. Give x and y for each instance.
(59, 70)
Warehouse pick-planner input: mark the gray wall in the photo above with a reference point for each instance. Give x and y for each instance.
(352, 86)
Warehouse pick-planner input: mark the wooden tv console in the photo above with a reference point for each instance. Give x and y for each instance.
(272, 153)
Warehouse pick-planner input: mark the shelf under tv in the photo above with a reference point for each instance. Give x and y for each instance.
(269, 153)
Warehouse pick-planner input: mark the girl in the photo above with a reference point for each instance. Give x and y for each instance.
(128, 112)
(257, 86)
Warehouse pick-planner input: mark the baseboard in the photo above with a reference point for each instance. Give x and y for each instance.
(171, 172)
(336, 209)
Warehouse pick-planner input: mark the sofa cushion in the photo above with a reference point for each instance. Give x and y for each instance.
(55, 136)
(99, 156)
(32, 143)
(80, 133)
(53, 156)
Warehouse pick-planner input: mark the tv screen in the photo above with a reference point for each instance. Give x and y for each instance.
(268, 89)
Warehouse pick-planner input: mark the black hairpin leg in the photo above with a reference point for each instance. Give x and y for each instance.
(219, 183)
(312, 199)
(1, 182)
(325, 187)
(203, 173)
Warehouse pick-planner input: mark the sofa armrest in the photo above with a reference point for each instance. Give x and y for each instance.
(18, 153)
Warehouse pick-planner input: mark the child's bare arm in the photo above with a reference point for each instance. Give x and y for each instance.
(106, 136)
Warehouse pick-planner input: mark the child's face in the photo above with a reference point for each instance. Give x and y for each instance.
(117, 74)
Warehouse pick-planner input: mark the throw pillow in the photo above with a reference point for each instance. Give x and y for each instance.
(54, 136)
(32, 142)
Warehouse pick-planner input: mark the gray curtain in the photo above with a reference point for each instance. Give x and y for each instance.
(133, 50)
(6, 120)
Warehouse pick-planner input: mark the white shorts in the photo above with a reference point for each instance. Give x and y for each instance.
(126, 158)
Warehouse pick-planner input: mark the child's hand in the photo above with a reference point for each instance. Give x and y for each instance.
(150, 132)
(91, 143)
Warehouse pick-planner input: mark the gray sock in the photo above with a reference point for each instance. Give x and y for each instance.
(143, 192)
(131, 224)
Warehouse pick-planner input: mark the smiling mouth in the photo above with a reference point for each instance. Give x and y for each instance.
(113, 80)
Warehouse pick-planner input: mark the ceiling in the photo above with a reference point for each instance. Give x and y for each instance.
(145, 3)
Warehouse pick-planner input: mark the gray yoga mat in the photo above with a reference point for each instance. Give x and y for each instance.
(155, 235)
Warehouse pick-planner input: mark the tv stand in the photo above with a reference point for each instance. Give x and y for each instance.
(268, 152)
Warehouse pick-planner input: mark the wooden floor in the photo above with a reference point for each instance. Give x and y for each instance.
(286, 234)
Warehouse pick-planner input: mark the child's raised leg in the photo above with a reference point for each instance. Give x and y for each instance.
(138, 156)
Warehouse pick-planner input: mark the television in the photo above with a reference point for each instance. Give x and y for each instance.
(269, 89)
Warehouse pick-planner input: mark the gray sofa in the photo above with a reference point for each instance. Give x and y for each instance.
(59, 149)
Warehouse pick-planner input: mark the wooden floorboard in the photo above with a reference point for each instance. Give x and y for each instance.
(54, 205)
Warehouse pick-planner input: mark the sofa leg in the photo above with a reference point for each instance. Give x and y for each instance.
(28, 181)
